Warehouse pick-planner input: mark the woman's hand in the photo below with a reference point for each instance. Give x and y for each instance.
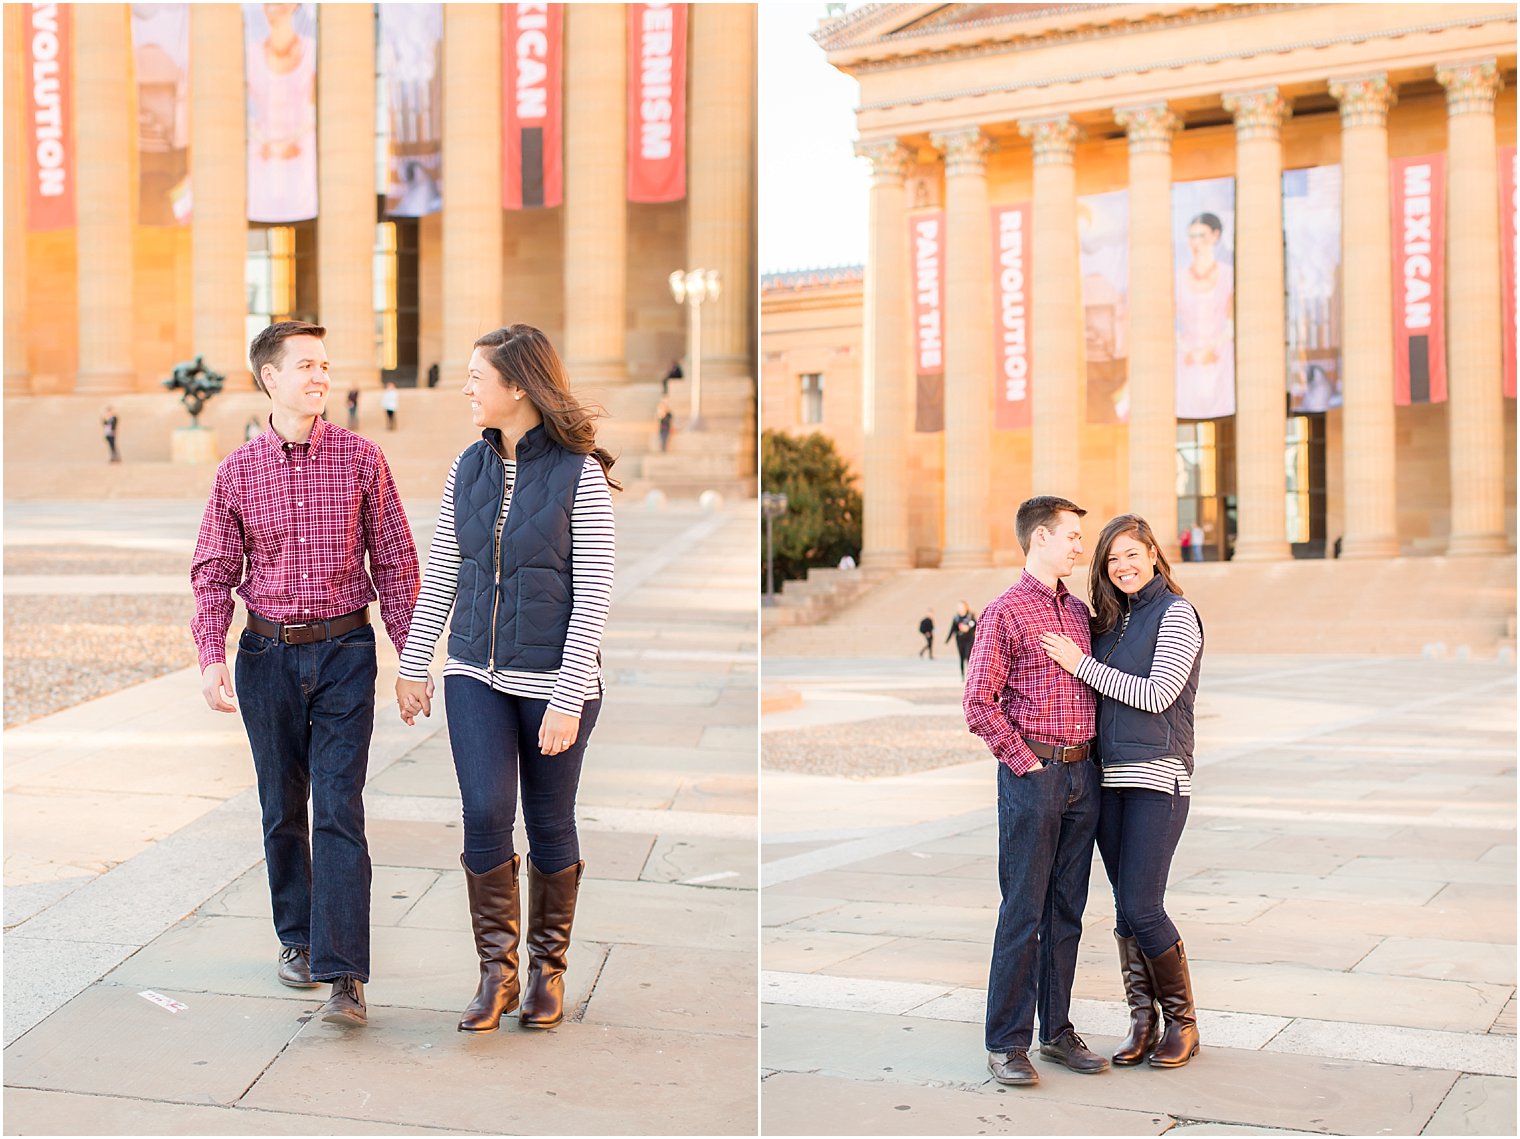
(413, 696)
(1063, 650)
(557, 732)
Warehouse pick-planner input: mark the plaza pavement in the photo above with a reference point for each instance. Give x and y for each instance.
(1345, 888)
(133, 865)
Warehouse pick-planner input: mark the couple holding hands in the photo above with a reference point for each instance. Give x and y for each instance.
(523, 554)
(1090, 715)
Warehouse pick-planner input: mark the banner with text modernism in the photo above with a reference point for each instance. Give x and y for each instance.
(656, 102)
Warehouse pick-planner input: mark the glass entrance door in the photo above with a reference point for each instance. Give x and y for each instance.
(1206, 489)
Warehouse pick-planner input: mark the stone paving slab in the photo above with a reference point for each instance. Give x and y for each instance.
(1477, 1105)
(1442, 960)
(30, 1112)
(677, 988)
(574, 1079)
(792, 1105)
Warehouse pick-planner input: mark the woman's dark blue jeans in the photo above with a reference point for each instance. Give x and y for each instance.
(1138, 830)
(494, 737)
(309, 711)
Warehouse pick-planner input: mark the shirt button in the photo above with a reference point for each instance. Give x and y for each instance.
(304, 576)
(303, 539)
(300, 504)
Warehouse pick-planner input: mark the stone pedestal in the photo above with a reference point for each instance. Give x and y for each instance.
(193, 446)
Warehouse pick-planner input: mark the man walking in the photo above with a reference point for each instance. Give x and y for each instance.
(1038, 721)
(926, 630)
(108, 423)
(292, 514)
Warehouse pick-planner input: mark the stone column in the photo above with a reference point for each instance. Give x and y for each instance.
(346, 191)
(1474, 382)
(968, 348)
(106, 189)
(1367, 445)
(596, 188)
(1056, 309)
(720, 180)
(1260, 385)
(18, 380)
(1152, 320)
(886, 373)
(472, 213)
(219, 222)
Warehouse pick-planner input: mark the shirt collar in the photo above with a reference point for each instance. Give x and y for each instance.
(280, 447)
(1028, 583)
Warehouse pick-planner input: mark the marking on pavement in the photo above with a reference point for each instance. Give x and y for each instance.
(796, 866)
(634, 820)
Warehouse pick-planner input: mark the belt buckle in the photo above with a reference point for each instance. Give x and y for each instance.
(287, 630)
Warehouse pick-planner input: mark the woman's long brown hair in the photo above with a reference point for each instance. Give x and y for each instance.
(1107, 599)
(524, 359)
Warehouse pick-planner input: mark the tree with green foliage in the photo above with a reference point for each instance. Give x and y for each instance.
(823, 507)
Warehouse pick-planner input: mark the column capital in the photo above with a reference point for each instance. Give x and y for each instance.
(1055, 138)
(1470, 87)
(1150, 127)
(965, 150)
(889, 160)
(1364, 99)
(1258, 114)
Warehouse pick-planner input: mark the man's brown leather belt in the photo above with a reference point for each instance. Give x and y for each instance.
(1059, 753)
(309, 632)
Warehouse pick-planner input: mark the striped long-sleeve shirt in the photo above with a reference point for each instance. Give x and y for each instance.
(1178, 643)
(592, 553)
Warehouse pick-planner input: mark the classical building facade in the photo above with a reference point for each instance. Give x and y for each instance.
(106, 306)
(968, 111)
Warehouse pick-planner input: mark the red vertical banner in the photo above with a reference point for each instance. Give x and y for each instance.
(1419, 279)
(1012, 253)
(49, 117)
(926, 237)
(532, 72)
(1509, 203)
(656, 102)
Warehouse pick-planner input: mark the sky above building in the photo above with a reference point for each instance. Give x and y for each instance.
(814, 192)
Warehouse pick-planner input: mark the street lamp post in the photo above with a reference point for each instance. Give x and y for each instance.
(772, 506)
(690, 287)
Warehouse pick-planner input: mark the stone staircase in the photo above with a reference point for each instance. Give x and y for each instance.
(1396, 606)
(814, 599)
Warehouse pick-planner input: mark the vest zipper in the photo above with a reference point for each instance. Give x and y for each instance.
(1123, 627)
(498, 524)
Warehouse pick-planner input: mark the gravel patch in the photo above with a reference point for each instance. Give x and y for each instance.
(104, 560)
(62, 651)
(891, 745)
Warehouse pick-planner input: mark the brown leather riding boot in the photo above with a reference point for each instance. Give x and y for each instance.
(551, 911)
(495, 916)
(1174, 988)
(1144, 1018)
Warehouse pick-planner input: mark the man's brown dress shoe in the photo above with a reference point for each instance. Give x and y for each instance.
(1012, 1067)
(295, 968)
(1069, 1049)
(346, 1005)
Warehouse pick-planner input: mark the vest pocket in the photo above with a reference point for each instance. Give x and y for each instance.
(543, 607)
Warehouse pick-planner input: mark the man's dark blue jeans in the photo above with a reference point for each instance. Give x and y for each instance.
(309, 711)
(1046, 823)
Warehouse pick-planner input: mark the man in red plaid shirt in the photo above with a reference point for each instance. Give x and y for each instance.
(291, 516)
(1038, 721)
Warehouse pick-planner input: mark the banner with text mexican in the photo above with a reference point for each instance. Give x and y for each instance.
(533, 171)
(656, 102)
(1419, 279)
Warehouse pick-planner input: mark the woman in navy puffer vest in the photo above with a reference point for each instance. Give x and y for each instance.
(1147, 648)
(523, 556)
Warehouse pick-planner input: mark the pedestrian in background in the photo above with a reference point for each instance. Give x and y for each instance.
(300, 507)
(109, 423)
(1147, 649)
(523, 556)
(666, 417)
(963, 629)
(390, 400)
(353, 409)
(926, 627)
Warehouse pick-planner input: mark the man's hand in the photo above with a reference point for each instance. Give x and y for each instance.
(413, 696)
(557, 732)
(216, 687)
(1063, 650)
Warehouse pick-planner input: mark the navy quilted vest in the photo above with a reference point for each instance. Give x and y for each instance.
(1126, 734)
(512, 608)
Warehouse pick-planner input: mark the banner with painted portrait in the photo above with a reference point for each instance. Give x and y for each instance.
(532, 70)
(161, 51)
(1012, 274)
(1103, 233)
(1203, 251)
(280, 54)
(49, 62)
(409, 108)
(656, 102)
(1418, 201)
(926, 250)
(1312, 275)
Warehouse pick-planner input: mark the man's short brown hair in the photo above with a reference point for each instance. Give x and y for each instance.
(268, 346)
(1042, 510)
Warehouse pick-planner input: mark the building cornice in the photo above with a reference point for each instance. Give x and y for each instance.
(795, 280)
(1139, 68)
